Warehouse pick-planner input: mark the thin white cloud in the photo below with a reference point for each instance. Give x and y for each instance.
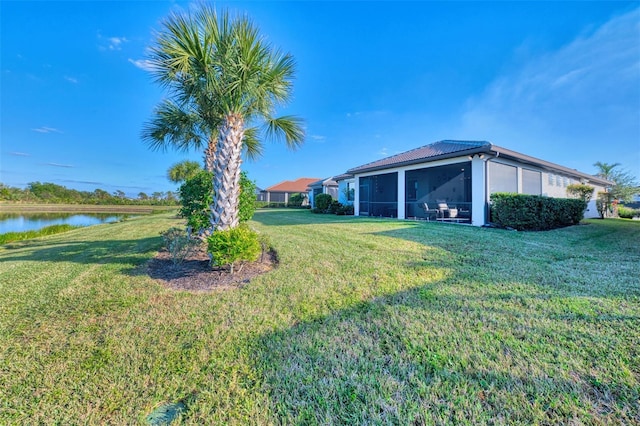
(45, 129)
(384, 152)
(115, 43)
(20, 154)
(67, 166)
(317, 138)
(584, 95)
(71, 79)
(143, 64)
(111, 43)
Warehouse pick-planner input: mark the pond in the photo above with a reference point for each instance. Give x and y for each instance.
(19, 222)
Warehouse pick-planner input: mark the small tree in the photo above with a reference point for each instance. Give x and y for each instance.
(296, 200)
(196, 194)
(581, 191)
(180, 172)
(247, 201)
(625, 184)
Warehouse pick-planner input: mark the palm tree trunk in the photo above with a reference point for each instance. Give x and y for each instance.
(210, 154)
(226, 176)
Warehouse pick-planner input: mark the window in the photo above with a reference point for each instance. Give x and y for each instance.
(351, 191)
(550, 179)
(502, 178)
(531, 182)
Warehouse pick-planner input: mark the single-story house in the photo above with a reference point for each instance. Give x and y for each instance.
(346, 188)
(280, 192)
(452, 181)
(322, 186)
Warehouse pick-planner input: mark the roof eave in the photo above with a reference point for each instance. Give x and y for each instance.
(547, 165)
(466, 152)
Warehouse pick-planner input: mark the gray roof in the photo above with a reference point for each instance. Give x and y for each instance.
(343, 176)
(437, 150)
(451, 148)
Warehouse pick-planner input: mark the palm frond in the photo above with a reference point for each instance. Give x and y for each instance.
(288, 127)
(172, 127)
(251, 144)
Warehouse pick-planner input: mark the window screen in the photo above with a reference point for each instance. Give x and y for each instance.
(502, 178)
(531, 182)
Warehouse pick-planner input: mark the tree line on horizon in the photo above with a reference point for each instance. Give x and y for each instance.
(47, 192)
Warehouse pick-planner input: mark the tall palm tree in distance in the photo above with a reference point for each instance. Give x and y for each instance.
(225, 82)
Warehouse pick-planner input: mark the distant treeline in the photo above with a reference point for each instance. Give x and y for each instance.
(37, 192)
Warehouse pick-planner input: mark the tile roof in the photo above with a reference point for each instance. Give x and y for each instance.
(298, 185)
(432, 151)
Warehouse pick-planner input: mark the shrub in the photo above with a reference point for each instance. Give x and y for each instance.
(628, 212)
(296, 200)
(196, 195)
(247, 200)
(322, 201)
(534, 212)
(345, 210)
(233, 246)
(334, 207)
(179, 244)
(316, 210)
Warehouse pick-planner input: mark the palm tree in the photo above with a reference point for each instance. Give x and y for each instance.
(605, 170)
(225, 82)
(182, 171)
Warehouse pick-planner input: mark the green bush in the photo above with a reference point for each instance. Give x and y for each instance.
(345, 210)
(196, 196)
(247, 201)
(628, 212)
(534, 212)
(296, 200)
(322, 201)
(233, 246)
(334, 207)
(179, 244)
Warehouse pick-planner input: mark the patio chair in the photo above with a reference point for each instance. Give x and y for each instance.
(429, 212)
(444, 211)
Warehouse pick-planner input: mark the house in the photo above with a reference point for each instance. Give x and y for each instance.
(452, 180)
(280, 192)
(322, 186)
(346, 188)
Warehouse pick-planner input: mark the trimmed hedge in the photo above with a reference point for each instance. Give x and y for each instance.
(535, 212)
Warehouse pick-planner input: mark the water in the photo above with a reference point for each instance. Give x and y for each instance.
(18, 222)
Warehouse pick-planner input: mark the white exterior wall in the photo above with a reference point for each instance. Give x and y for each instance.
(478, 190)
(480, 184)
(342, 189)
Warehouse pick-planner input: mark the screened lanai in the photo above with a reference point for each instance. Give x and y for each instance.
(440, 193)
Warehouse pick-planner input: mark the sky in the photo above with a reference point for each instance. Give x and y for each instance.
(558, 81)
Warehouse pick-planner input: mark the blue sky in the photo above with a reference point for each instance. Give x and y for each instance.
(555, 80)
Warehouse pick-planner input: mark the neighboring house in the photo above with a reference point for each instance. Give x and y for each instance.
(322, 186)
(280, 192)
(460, 176)
(260, 194)
(346, 188)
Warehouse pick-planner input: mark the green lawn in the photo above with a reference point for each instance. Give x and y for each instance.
(364, 321)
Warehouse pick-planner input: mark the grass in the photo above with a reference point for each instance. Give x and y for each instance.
(365, 321)
(10, 237)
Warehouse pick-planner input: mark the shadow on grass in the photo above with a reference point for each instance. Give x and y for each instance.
(418, 358)
(128, 253)
(508, 349)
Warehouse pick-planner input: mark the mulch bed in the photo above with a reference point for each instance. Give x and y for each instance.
(196, 274)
